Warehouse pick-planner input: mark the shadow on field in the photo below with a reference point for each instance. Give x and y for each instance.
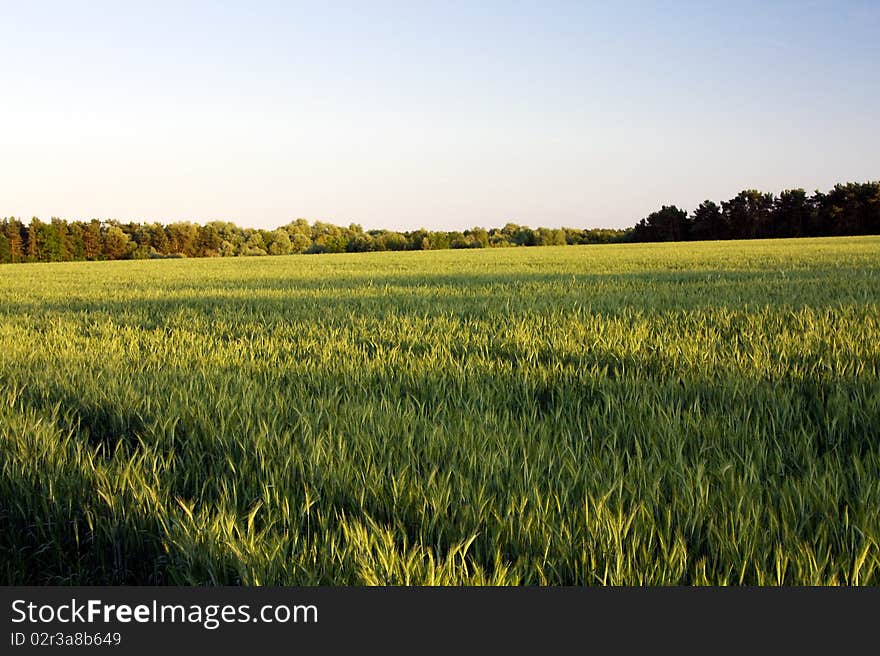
(100, 423)
(60, 532)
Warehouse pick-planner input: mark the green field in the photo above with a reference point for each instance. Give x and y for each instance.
(692, 413)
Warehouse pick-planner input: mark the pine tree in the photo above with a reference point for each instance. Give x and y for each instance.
(13, 234)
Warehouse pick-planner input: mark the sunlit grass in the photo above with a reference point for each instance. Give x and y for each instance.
(701, 413)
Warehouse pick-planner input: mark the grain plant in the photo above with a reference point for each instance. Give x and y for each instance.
(690, 413)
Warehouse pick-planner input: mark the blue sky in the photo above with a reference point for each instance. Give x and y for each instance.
(434, 114)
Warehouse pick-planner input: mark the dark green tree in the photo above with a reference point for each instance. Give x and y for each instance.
(708, 222)
(5, 251)
(667, 224)
(749, 214)
(793, 214)
(14, 229)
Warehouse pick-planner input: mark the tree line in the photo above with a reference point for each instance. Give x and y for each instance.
(59, 240)
(848, 209)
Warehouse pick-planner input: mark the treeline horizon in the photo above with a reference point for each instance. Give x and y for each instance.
(852, 208)
(847, 209)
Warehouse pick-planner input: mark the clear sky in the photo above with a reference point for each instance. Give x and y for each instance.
(437, 114)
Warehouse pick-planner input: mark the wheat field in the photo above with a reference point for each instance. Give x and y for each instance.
(690, 413)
